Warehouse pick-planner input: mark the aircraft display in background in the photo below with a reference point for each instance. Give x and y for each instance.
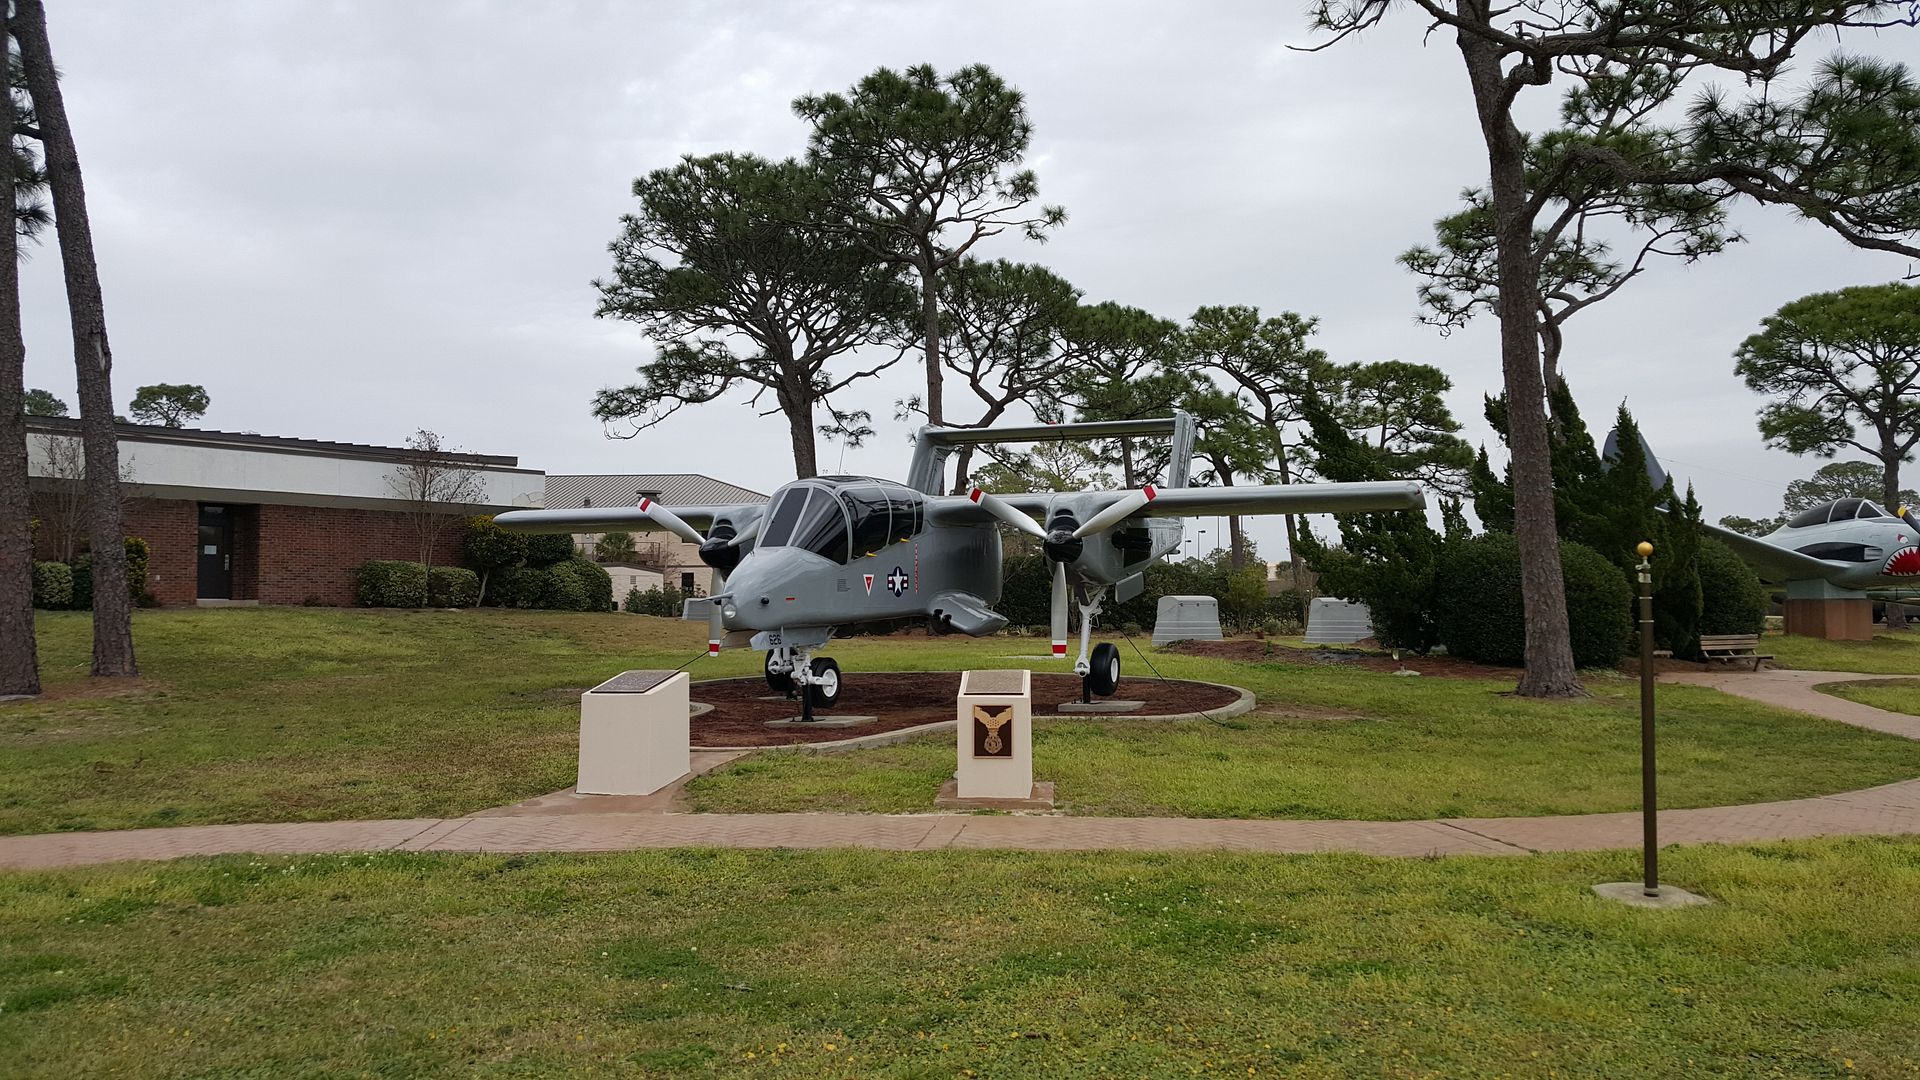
(1849, 543)
(832, 552)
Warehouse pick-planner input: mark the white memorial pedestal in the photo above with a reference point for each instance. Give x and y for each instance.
(994, 742)
(633, 733)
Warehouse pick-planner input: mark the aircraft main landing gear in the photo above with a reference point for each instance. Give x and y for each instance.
(1098, 665)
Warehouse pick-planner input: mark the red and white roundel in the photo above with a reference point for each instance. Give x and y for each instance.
(1904, 563)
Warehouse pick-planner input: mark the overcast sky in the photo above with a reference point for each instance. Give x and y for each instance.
(350, 220)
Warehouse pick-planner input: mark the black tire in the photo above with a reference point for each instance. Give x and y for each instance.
(779, 683)
(1103, 674)
(825, 688)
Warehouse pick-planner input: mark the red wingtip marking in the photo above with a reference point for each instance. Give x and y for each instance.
(646, 504)
(975, 494)
(1059, 649)
(1151, 494)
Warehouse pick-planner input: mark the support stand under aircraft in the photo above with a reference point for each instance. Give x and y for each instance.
(837, 551)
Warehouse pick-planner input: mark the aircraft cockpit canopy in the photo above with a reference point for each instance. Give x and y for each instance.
(846, 518)
(1838, 510)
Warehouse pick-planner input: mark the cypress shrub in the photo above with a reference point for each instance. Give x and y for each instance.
(1732, 599)
(1480, 612)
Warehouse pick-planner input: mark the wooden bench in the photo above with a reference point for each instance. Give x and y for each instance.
(1733, 647)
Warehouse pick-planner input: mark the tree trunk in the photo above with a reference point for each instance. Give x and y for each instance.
(19, 653)
(1294, 562)
(930, 326)
(92, 358)
(963, 461)
(1549, 651)
(799, 410)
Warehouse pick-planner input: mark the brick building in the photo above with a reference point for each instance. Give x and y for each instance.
(235, 518)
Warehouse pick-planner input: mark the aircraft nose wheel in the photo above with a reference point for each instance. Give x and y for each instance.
(1103, 669)
(824, 690)
(780, 682)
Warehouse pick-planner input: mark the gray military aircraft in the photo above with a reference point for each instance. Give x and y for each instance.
(838, 551)
(1850, 543)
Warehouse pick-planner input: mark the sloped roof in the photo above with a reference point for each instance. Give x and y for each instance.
(623, 489)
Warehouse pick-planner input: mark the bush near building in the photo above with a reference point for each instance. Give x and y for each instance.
(452, 587)
(70, 588)
(390, 583)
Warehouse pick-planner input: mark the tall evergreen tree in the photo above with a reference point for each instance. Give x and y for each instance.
(1270, 361)
(928, 166)
(1845, 152)
(93, 359)
(19, 652)
(713, 267)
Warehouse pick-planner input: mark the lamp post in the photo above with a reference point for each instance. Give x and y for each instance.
(1650, 826)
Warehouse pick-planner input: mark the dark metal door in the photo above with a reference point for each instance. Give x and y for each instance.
(216, 553)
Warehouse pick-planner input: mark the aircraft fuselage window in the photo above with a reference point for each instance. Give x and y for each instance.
(908, 515)
(867, 507)
(1868, 510)
(1845, 509)
(780, 519)
(1814, 516)
(822, 528)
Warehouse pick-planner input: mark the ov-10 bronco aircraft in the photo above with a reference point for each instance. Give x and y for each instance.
(838, 551)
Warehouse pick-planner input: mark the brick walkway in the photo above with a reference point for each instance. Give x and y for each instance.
(568, 823)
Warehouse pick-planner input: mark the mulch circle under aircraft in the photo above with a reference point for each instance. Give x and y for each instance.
(833, 552)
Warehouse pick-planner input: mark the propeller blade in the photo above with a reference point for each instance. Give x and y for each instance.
(1118, 512)
(1002, 509)
(1059, 611)
(670, 521)
(747, 533)
(715, 631)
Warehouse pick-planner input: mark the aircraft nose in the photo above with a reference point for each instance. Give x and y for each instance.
(765, 592)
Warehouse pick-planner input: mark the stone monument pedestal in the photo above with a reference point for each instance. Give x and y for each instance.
(993, 741)
(634, 734)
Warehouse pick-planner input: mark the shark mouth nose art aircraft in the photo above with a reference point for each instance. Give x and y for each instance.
(838, 551)
(1851, 543)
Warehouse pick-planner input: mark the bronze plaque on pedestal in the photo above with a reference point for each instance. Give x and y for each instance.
(993, 731)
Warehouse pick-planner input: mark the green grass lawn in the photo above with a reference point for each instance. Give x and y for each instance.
(1888, 654)
(1332, 742)
(1894, 695)
(275, 714)
(957, 964)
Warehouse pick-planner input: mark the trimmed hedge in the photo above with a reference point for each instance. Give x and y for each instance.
(392, 583)
(452, 586)
(666, 602)
(549, 549)
(1732, 599)
(1481, 616)
(83, 583)
(52, 585)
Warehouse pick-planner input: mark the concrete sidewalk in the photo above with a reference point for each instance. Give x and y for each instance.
(544, 825)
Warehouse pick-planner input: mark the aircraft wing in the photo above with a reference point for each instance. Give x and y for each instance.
(1203, 501)
(1776, 563)
(588, 519)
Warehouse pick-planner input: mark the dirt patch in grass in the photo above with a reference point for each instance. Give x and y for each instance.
(897, 699)
(1261, 650)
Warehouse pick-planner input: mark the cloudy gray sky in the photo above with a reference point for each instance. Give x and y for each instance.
(349, 220)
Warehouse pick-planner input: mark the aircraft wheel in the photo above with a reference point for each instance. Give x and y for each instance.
(1103, 674)
(825, 688)
(780, 682)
